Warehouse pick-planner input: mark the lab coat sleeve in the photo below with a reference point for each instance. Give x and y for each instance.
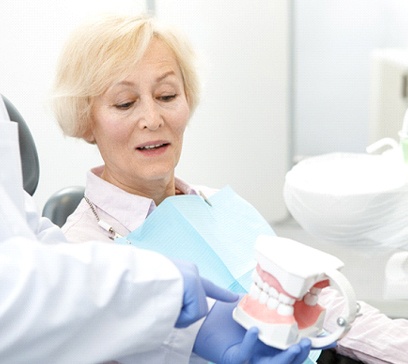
(87, 303)
(373, 337)
(84, 303)
(67, 303)
(177, 348)
(42, 227)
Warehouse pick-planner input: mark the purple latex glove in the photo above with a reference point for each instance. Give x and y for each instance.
(196, 291)
(222, 340)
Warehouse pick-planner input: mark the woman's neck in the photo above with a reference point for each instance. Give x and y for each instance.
(156, 190)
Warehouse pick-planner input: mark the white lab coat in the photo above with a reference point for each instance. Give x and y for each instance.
(75, 303)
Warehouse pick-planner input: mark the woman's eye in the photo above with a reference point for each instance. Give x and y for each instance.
(167, 98)
(124, 106)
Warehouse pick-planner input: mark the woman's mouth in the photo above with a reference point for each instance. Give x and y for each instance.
(153, 146)
(153, 149)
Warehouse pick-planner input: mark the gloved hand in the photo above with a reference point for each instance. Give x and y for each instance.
(196, 289)
(223, 341)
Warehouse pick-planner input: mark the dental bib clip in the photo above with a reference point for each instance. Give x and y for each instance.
(283, 299)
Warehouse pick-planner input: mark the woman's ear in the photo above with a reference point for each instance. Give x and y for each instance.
(89, 137)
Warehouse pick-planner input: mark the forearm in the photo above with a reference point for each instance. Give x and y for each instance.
(83, 303)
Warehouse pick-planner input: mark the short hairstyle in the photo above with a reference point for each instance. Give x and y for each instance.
(104, 51)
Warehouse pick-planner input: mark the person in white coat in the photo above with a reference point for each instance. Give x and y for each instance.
(89, 303)
(82, 304)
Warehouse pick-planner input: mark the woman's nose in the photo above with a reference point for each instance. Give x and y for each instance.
(150, 116)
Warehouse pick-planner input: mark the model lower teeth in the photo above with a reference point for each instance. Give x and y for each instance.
(283, 298)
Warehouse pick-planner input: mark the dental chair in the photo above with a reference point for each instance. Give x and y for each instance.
(28, 151)
(62, 203)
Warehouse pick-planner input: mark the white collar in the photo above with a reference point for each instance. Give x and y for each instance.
(129, 209)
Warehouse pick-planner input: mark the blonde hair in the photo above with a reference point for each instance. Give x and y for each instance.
(101, 53)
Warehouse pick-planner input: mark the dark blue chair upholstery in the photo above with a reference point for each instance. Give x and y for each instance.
(62, 204)
(28, 151)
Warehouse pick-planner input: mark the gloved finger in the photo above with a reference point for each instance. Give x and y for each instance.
(189, 315)
(218, 293)
(194, 307)
(305, 346)
(195, 304)
(246, 349)
(295, 354)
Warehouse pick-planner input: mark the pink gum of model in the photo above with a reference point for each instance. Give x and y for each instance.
(283, 299)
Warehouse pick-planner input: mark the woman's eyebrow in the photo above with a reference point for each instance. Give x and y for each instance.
(123, 83)
(158, 79)
(165, 75)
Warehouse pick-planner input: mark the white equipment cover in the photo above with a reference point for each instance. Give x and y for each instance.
(351, 199)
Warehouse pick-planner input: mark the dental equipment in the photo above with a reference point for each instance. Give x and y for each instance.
(396, 273)
(283, 299)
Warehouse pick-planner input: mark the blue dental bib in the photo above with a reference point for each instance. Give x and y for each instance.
(217, 235)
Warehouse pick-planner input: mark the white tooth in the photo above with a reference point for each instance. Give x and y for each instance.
(315, 290)
(265, 287)
(256, 278)
(259, 281)
(285, 310)
(263, 297)
(311, 299)
(272, 303)
(286, 299)
(152, 146)
(254, 292)
(273, 292)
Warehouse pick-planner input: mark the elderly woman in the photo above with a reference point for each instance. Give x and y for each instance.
(130, 86)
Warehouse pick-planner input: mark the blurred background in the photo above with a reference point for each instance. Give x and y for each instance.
(282, 80)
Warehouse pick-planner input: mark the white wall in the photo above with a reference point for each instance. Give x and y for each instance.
(32, 33)
(333, 41)
(238, 136)
(240, 133)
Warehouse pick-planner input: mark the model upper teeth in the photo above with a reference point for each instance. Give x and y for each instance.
(151, 146)
(275, 300)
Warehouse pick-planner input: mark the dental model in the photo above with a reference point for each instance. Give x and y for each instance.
(283, 299)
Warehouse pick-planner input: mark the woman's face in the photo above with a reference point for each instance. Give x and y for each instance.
(138, 123)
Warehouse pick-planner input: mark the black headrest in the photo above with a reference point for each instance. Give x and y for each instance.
(29, 157)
